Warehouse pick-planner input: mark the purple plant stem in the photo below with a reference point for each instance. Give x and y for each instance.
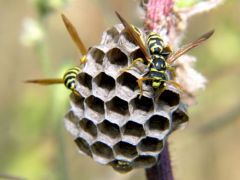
(157, 11)
(163, 169)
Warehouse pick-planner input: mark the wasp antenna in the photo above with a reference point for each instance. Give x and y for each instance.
(208, 34)
(123, 21)
(74, 34)
(45, 81)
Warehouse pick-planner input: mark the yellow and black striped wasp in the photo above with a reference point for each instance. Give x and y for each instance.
(158, 57)
(69, 76)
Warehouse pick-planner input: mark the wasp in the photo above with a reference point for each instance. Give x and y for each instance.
(158, 57)
(70, 74)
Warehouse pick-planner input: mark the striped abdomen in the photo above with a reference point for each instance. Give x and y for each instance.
(155, 43)
(70, 77)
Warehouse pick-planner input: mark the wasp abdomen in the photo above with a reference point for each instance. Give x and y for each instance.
(70, 77)
(155, 43)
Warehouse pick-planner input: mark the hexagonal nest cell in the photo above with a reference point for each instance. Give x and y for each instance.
(125, 149)
(171, 98)
(94, 108)
(118, 106)
(128, 80)
(97, 55)
(110, 129)
(138, 54)
(104, 85)
(102, 150)
(143, 104)
(117, 57)
(83, 146)
(144, 161)
(88, 126)
(158, 123)
(111, 35)
(133, 129)
(84, 83)
(150, 144)
(180, 118)
(109, 122)
(127, 41)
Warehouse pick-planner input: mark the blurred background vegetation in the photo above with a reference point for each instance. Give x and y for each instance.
(33, 141)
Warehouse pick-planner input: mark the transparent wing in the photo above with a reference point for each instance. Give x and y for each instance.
(189, 46)
(74, 35)
(134, 35)
(45, 81)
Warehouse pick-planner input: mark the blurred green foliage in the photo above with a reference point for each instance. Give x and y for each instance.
(33, 141)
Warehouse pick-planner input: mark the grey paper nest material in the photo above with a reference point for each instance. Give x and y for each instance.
(109, 122)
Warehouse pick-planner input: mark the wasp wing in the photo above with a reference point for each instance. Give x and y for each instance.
(45, 81)
(74, 35)
(189, 46)
(135, 36)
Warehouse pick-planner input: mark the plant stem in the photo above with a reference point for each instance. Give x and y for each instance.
(163, 169)
(159, 12)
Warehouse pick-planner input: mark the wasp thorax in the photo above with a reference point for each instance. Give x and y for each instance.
(109, 122)
(158, 63)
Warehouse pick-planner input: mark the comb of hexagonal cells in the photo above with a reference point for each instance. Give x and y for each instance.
(109, 122)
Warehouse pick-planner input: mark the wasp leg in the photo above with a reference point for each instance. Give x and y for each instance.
(76, 93)
(162, 89)
(172, 70)
(83, 59)
(139, 81)
(134, 62)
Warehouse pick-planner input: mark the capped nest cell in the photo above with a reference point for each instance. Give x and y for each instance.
(109, 122)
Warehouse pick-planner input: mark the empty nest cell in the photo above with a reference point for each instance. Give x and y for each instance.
(95, 107)
(179, 118)
(117, 57)
(83, 146)
(85, 83)
(143, 104)
(133, 129)
(169, 97)
(127, 41)
(105, 84)
(158, 123)
(110, 36)
(138, 54)
(97, 55)
(128, 80)
(118, 106)
(77, 100)
(110, 129)
(144, 161)
(88, 126)
(150, 144)
(125, 149)
(72, 117)
(102, 150)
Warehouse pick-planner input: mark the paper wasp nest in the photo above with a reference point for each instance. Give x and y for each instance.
(109, 122)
